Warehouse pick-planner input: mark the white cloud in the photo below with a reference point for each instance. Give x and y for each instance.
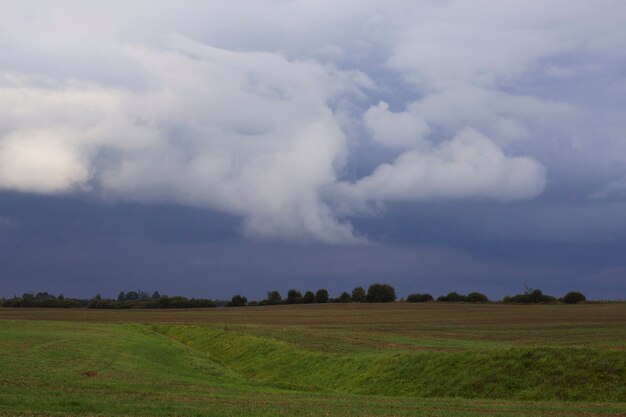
(468, 165)
(248, 133)
(395, 129)
(102, 97)
(43, 161)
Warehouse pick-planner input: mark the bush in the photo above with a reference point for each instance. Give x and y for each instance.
(273, 298)
(41, 300)
(308, 298)
(95, 303)
(532, 297)
(476, 297)
(452, 297)
(161, 302)
(358, 295)
(344, 298)
(293, 297)
(380, 293)
(574, 297)
(321, 296)
(419, 298)
(237, 301)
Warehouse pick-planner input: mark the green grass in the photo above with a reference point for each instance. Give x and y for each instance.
(569, 374)
(328, 361)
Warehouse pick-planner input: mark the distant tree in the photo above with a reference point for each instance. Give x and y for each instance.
(476, 297)
(574, 297)
(321, 296)
(358, 295)
(273, 297)
(532, 296)
(381, 293)
(121, 296)
(155, 295)
(132, 296)
(97, 297)
(308, 297)
(61, 297)
(43, 296)
(238, 301)
(344, 298)
(452, 297)
(419, 298)
(294, 296)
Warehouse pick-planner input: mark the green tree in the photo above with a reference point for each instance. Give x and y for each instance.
(273, 298)
(321, 296)
(380, 293)
(476, 297)
(532, 296)
(238, 301)
(344, 298)
(308, 298)
(452, 297)
(419, 298)
(574, 297)
(358, 295)
(294, 296)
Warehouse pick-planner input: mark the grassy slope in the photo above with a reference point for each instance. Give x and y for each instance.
(510, 373)
(164, 369)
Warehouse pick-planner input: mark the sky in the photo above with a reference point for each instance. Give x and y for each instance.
(208, 148)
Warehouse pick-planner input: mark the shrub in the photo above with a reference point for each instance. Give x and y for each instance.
(293, 297)
(381, 293)
(237, 301)
(273, 298)
(161, 302)
(358, 295)
(42, 300)
(308, 298)
(574, 297)
(321, 296)
(476, 297)
(532, 297)
(419, 298)
(452, 297)
(344, 298)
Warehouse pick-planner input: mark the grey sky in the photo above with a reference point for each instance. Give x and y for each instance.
(472, 143)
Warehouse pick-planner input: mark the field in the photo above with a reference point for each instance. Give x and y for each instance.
(399, 359)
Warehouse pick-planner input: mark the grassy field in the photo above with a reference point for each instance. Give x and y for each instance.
(316, 360)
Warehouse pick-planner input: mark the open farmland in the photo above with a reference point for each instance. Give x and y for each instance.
(352, 359)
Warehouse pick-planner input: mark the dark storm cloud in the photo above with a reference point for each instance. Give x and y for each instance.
(145, 138)
(83, 247)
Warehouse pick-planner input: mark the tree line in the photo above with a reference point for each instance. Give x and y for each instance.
(376, 293)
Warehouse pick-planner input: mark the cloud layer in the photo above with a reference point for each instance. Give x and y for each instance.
(160, 102)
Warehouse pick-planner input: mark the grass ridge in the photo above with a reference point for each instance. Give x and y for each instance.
(537, 374)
